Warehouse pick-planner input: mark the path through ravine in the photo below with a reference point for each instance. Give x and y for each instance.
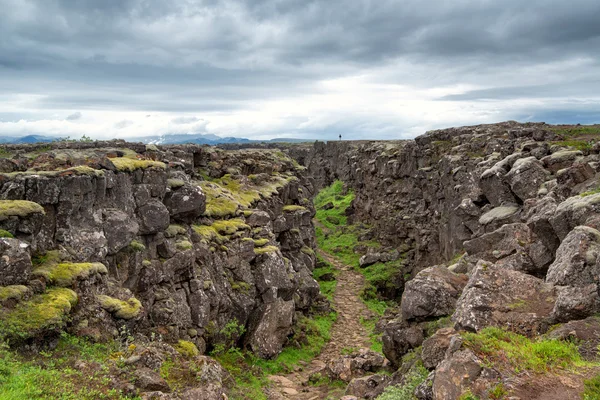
(347, 332)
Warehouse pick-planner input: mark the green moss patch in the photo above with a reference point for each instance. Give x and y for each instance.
(19, 208)
(260, 242)
(187, 349)
(121, 309)
(13, 292)
(333, 195)
(125, 164)
(65, 274)
(5, 234)
(266, 249)
(175, 183)
(43, 312)
(174, 230)
(184, 245)
(221, 230)
(136, 246)
(294, 208)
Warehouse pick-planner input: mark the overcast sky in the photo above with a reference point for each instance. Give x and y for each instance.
(294, 68)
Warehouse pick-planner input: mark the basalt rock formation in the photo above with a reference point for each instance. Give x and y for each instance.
(496, 226)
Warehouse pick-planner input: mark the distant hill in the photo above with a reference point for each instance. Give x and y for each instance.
(160, 139)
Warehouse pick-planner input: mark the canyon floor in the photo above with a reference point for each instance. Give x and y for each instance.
(347, 333)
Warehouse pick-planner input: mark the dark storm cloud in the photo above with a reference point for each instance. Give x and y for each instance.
(210, 56)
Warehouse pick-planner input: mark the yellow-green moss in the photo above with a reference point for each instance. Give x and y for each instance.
(130, 164)
(19, 208)
(13, 292)
(136, 246)
(45, 311)
(209, 233)
(121, 309)
(174, 230)
(175, 183)
(293, 208)
(266, 249)
(248, 213)
(65, 274)
(260, 242)
(187, 349)
(5, 234)
(184, 245)
(229, 226)
(307, 250)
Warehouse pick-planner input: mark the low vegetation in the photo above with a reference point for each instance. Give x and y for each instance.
(126, 164)
(65, 274)
(415, 376)
(519, 353)
(19, 208)
(119, 308)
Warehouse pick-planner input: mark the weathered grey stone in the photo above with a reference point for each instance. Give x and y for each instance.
(185, 203)
(399, 338)
(368, 387)
(15, 262)
(119, 229)
(432, 293)
(153, 217)
(576, 302)
(502, 297)
(576, 262)
(434, 347)
(273, 324)
(525, 177)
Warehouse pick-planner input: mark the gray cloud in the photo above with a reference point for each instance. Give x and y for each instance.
(243, 57)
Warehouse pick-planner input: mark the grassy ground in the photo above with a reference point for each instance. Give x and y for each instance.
(52, 374)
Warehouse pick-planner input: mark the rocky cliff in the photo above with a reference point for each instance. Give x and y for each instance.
(499, 225)
(183, 243)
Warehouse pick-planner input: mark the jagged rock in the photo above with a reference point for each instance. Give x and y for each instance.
(496, 296)
(147, 379)
(185, 203)
(561, 159)
(576, 259)
(273, 324)
(119, 229)
(399, 338)
(434, 347)
(576, 302)
(538, 215)
(368, 387)
(512, 245)
(493, 183)
(432, 293)
(458, 373)
(525, 177)
(499, 216)
(15, 262)
(573, 212)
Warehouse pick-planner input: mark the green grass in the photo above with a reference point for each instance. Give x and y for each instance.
(577, 144)
(333, 194)
(374, 338)
(590, 192)
(327, 287)
(521, 353)
(415, 376)
(576, 131)
(250, 373)
(592, 388)
(52, 375)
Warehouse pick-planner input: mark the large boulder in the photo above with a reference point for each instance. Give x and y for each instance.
(576, 262)
(494, 184)
(368, 387)
(153, 217)
(399, 338)
(576, 302)
(432, 293)
(434, 347)
(496, 296)
(460, 372)
(573, 212)
(185, 203)
(525, 177)
(15, 262)
(269, 327)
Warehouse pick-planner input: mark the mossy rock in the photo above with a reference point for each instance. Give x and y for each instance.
(65, 274)
(266, 249)
(19, 208)
(174, 230)
(307, 250)
(136, 246)
(175, 183)
(293, 208)
(184, 245)
(260, 242)
(47, 311)
(121, 309)
(13, 292)
(125, 164)
(187, 349)
(6, 234)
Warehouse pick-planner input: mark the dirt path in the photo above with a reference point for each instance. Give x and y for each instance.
(347, 332)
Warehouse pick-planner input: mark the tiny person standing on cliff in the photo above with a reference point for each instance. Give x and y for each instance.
(340, 137)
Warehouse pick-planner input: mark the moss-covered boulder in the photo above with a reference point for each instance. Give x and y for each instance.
(66, 274)
(43, 313)
(128, 309)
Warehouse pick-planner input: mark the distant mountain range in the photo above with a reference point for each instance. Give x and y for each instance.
(159, 139)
